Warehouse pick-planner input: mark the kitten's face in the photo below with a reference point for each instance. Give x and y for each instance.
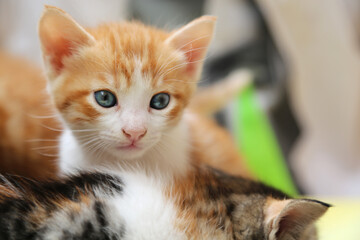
(121, 87)
(126, 104)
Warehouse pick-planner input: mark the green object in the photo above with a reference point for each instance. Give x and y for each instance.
(258, 144)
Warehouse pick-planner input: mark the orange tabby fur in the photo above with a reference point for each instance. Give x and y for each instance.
(23, 148)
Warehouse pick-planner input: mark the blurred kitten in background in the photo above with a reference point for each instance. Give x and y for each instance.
(28, 142)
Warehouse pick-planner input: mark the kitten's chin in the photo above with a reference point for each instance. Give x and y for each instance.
(128, 152)
(133, 151)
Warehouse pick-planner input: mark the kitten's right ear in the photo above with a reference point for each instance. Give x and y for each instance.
(193, 40)
(60, 36)
(293, 218)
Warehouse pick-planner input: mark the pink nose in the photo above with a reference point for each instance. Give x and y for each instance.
(134, 134)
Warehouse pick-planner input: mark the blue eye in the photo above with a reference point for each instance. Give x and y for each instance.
(160, 101)
(105, 98)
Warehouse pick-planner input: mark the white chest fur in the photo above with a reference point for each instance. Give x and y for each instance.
(145, 211)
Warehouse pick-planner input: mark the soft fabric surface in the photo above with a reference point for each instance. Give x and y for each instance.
(341, 221)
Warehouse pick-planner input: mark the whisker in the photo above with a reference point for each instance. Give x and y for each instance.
(89, 142)
(43, 117)
(95, 147)
(43, 140)
(51, 128)
(178, 80)
(181, 65)
(11, 186)
(87, 135)
(190, 42)
(45, 147)
(85, 130)
(168, 62)
(102, 149)
(196, 39)
(49, 155)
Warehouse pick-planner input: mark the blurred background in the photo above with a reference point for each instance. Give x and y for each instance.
(304, 56)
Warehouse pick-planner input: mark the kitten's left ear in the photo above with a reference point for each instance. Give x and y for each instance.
(60, 36)
(292, 219)
(193, 40)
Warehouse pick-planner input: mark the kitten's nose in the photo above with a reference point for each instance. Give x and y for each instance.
(134, 134)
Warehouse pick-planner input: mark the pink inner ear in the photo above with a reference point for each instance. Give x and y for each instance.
(193, 55)
(195, 52)
(285, 223)
(59, 49)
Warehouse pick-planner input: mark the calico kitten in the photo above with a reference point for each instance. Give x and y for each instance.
(207, 204)
(122, 90)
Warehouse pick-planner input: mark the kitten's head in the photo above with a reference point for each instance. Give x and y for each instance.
(121, 86)
(255, 211)
(256, 217)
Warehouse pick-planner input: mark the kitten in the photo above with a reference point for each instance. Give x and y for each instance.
(122, 90)
(106, 205)
(29, 129)
(26, 146)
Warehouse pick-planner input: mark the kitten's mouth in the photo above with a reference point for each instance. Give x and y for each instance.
(131, 146)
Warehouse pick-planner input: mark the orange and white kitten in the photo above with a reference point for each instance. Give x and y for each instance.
(29, 130)
(122, 90)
